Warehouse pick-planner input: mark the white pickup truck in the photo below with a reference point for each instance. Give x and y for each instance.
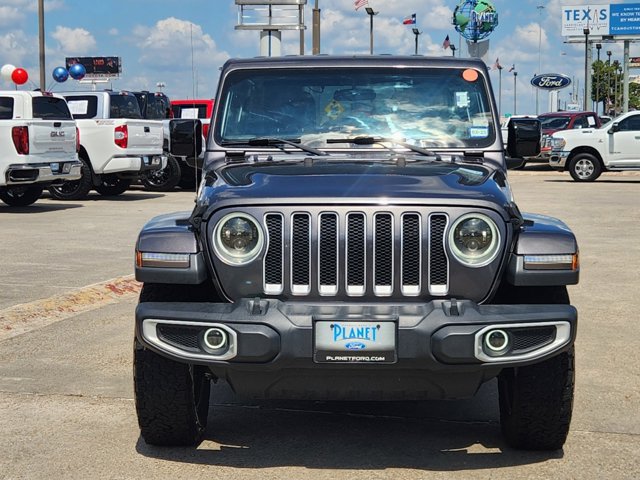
(588, 152)
(116, 144)
(38, 145)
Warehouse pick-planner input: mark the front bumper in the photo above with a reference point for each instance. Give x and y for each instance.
(439, 349)
(46, 172)
(558, 159)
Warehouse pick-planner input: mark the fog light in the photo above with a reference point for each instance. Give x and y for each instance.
(496, 342)
(215, 338)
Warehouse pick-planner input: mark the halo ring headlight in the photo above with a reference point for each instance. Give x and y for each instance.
(474, 239)
(237, 239)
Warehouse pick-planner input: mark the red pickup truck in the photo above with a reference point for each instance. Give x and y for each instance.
(201, 109)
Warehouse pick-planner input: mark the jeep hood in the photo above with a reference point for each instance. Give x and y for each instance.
(331, 182)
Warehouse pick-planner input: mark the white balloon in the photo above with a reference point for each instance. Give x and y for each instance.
(6, 71)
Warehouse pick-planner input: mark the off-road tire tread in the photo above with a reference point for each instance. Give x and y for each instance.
(29, 196)
(84, 186)
(175, 174)
(165, 400)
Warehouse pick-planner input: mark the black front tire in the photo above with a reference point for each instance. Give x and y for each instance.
(585, 167)
(112, 185)
(163, 180)
(536, 401)
(20, 195)
(76, 189)
(172, 399)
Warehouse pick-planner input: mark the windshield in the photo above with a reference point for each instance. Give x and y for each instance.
(432, 108)
(554, 123)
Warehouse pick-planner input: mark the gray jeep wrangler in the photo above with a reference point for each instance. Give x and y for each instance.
(355, 237)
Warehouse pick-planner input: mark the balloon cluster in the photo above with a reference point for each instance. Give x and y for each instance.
(19, 76)
(76, 71)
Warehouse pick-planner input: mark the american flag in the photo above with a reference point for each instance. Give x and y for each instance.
(361, 3)
(446, 44)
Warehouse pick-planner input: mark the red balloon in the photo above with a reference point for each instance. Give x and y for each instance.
(19, 76)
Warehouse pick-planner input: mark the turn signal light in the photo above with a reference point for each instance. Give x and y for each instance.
(121, 136)
(20, 136)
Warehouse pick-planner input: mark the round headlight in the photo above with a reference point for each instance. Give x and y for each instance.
(474, 240)
(237, 239)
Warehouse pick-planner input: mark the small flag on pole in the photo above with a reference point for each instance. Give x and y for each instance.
(446, 44)
(361, 3)
(497, 66)
(513, 67)
(410, 20)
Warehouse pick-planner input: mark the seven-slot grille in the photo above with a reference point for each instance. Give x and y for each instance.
(356, 253)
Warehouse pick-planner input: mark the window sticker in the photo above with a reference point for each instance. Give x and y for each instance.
(470, 75)
(189, 113)
(462, 99)
(78, 107)
(591, 121)
(479, 132)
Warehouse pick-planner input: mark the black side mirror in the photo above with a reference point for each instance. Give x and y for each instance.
(185, 135)
(614, 128)
(524, 137)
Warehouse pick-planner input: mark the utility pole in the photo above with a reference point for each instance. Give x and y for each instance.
(316, 30)
(43, 83)
(587, 83)
(515, 92)
(598, 48)
(417, 33)
(540, 8)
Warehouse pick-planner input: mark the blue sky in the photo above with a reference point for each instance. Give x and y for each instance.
(155, 39)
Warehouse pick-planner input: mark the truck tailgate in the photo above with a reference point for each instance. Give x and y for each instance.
(52, 139)
(145, 136)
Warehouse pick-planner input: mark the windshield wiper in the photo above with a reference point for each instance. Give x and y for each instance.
(278, 142)
(382, 141)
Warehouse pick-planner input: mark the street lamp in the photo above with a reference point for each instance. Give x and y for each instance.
(417, 33)
(371, 14)
(586, 67)
(515, 92)
(540, 8)
(453, 49)
(598, 48)
(43, 83)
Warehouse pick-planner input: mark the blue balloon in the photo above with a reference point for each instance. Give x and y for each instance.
(77, 71)
(60, 74)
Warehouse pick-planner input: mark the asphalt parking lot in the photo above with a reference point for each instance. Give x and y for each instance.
(66, 395)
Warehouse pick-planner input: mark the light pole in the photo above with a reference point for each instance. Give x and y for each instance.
(499, 91)
(586, 67)
(515, 92)
(453, 50)
(315, 48)
(608, 79)
(417, 33)
(371, 14)
(598, 48)
(43, 83)
(540, 8)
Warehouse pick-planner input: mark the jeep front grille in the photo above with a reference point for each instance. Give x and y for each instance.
(356, 253)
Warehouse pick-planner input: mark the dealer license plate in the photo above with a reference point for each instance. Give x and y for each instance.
(354, 342)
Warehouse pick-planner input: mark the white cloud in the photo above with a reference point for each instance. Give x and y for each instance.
(74, 41)
(10, 16)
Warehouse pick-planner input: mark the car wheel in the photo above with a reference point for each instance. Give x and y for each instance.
(585, 167)
(75, 189)
(163, 180)
(536, 401)
(20, 195)
(172, 399)
(112, 185)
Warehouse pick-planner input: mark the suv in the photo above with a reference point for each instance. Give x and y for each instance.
(355, 238)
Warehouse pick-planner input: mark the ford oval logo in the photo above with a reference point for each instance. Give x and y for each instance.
(551, 81)
(355, 346)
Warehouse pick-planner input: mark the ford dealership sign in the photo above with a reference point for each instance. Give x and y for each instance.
(551, 81)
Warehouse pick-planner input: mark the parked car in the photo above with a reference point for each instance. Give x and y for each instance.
(38, 145)
(556, 121)
(352, 241)
(586, 153)
(116, 144)
(199, 108)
